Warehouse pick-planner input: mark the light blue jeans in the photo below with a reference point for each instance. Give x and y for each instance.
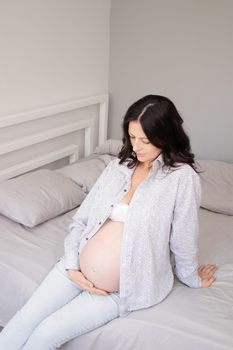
(57, 312)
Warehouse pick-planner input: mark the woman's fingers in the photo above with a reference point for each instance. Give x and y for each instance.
(89, 286)
(208, 266)
(207, 282)
(79, 278)
(98, 291)
(206, 272)
(207, 269)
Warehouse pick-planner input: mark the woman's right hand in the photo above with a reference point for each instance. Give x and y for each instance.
(78, 278)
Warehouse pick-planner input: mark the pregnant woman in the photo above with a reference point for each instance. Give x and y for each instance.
(142, 210)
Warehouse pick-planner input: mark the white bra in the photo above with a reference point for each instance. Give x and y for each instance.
(119, 212)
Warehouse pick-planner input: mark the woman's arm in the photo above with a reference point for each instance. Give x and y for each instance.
(79, 222)
(184, 230)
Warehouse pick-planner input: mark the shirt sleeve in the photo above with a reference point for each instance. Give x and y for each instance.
(79, 223)
(185, 229)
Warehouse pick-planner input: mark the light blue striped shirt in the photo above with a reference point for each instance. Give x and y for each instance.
(162, 219)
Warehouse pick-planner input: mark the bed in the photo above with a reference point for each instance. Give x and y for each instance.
(36, 209)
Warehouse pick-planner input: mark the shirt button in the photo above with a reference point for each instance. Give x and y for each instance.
(78, 253)
(112, 205)
(100, 223)
(86, 238)
(125, 190)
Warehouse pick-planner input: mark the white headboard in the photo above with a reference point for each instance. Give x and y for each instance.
(35, 138)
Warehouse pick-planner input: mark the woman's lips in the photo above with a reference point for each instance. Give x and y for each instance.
(140, 154)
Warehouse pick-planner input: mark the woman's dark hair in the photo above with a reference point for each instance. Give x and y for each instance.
(162, 125)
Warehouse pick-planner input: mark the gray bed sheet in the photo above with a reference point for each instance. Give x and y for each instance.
(194, 318)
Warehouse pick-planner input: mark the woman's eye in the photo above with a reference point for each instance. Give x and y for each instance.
(146, 142)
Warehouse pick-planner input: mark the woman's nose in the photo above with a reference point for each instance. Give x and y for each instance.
(137, 145)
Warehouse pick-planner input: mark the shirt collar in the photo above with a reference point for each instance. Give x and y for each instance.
(157, 163)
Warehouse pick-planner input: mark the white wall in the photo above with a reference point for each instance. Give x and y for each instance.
(52, 51)
(182, 49)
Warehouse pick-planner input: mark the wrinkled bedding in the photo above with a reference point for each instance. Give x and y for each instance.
(193, 318)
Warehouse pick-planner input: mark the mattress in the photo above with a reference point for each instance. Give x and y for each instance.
(192, 318)
(26, 256)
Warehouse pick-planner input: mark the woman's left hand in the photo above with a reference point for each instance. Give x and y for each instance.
(206, 272)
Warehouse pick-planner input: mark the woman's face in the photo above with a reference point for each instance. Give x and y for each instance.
(145, 151)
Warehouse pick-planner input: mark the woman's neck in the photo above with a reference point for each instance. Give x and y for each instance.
(145, 165)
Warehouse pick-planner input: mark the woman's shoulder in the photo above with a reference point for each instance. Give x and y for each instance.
(116, 167)
(113, 165)
(189, 181)
(184, 170)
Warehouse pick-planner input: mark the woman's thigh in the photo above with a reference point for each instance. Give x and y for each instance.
(82, 314)
(55, 291)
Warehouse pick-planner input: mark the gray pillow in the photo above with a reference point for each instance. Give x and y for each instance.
(217, 186)
(38, 196)
(111, 147)
(86, 171)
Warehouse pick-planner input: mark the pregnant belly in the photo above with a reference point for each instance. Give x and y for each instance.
(100, 258)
